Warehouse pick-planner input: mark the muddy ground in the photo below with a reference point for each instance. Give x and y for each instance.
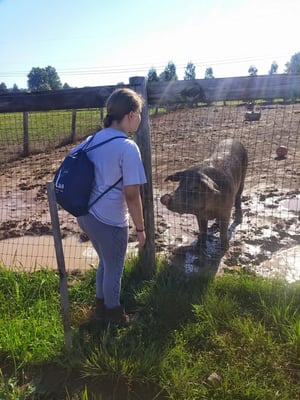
(179, 140)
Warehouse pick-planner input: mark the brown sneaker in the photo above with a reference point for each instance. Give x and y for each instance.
(117, 316)
(99, 309)
(96, 314)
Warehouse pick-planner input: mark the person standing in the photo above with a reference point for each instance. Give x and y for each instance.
(107, 222)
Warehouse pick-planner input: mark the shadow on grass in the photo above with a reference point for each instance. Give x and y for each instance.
(180, 316)
(125, 363)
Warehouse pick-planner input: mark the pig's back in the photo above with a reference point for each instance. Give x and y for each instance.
(230, 149)
(227, 165)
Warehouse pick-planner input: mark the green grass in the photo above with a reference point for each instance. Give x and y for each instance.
(48, 125)
(197, 337)
(29, 310)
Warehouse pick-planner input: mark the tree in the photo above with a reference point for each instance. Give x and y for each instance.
(53, 78)
(209, 74)
(252, 71)
(37, 80)
(293, 66)
(15, 88)
(190, 72)
(273, 68)
(3, 88)
(169, 73)
(43, 79)
(152, 75)
(66, 86)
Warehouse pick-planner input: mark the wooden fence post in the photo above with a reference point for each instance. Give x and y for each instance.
(143, 140)
(73, 126)
(25, 134)
(63, 287)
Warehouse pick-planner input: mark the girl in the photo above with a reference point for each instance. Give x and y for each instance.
(107, 222)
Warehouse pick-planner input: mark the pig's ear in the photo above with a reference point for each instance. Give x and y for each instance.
(174, 177)
(209, 183)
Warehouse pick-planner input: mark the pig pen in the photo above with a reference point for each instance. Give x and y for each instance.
(268, 239)
(180, 139)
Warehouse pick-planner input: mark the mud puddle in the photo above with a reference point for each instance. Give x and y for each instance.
(284, 264)
(267, 241)
(35, 252)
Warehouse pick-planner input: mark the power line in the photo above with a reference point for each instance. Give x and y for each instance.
(142, 68)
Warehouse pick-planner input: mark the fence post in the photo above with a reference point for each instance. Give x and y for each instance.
(26, 134)
(63, 286)
(143, 140)
(101, 115)
(73, 126)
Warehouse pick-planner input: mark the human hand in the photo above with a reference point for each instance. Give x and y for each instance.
(141, 238)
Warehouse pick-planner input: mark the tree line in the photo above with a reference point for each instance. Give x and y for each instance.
(47, 78)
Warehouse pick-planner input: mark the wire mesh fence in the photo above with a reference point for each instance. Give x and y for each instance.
(25, 227)
(271, 197)
(27, 133)
(181, 139)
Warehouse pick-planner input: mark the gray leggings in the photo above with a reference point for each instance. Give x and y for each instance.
(110, 243)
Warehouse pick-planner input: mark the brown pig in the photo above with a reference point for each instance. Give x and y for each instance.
(210, 189)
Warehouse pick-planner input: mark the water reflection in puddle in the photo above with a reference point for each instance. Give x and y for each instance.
(33, 252)
(284, 264)
(292, 204)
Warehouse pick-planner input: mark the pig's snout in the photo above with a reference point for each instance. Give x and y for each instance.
(165, 199)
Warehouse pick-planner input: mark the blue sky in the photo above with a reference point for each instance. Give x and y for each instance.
(103, 42)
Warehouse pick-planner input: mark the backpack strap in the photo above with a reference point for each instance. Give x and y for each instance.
(86, 149)
(105, 191)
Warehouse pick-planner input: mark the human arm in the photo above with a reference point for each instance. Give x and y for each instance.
(134, 204)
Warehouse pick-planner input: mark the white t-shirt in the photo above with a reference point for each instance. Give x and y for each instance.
(117, 158)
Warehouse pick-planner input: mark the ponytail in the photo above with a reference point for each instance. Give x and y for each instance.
(107, 121)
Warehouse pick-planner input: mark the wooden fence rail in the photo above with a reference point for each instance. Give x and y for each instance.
(265, 87)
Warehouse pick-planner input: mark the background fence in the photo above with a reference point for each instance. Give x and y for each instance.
(191, 117)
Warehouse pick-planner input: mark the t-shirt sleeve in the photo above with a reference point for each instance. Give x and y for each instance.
(132, 166)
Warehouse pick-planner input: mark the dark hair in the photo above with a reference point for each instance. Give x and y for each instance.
(120, 103)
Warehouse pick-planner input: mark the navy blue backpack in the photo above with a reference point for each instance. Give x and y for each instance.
(73, 181)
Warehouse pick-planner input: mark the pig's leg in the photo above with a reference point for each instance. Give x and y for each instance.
(238, 216)
(223, 233)
(202, 232)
